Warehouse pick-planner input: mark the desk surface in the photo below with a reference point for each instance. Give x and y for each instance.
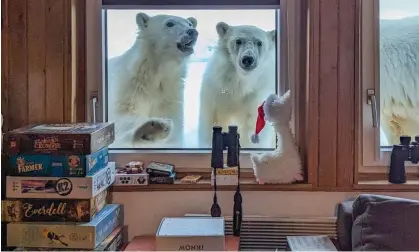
(147, 243)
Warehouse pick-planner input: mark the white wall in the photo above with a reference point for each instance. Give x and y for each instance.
(144, 210)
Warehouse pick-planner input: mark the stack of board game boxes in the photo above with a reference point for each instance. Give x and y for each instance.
(57, 183)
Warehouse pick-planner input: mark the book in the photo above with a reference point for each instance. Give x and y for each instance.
(310, 243)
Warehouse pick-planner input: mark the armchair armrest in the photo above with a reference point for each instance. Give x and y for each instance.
(344, 225)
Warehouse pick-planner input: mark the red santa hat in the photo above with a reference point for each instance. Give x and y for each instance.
(260, 123)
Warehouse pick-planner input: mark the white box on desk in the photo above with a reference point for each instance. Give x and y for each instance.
(191, 233)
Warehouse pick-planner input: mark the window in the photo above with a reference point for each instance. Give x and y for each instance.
(389, 77)
(173, 74)
(255, 37)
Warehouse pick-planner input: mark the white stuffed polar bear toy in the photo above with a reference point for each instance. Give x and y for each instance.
(283, 165)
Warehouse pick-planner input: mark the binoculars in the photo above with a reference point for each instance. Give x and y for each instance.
(221, 141)
(230, 141)
(405, 151)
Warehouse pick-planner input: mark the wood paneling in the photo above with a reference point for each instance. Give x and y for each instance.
(36, 57)
(313, 96)
(331, 128)
(346, 94)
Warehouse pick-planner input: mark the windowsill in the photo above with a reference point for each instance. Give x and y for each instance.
(246, 184)
(384, 185)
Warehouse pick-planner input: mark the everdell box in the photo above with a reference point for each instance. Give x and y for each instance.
(53, 210)
(64, 234)
(60, 187)
(52, 165)
(113, 242)
(76, 138)
(191, 233)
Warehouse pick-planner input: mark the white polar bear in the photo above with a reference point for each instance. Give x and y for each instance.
(146, 83)
(399, 78)
(239, 76)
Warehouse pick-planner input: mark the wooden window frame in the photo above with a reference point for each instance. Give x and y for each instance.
(326, 48)
(373, 161)
(184, 158)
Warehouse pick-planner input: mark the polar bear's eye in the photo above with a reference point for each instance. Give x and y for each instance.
(170, 24)
(260, 43)
(238, 42)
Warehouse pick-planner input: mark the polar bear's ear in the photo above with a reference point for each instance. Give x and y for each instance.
(142, 20)
(222, 28)
(193, 21)
(272, 35)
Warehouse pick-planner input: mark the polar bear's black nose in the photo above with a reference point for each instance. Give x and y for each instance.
(192, 32)
(247, 61)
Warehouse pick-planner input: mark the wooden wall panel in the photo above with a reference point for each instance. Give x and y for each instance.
(36, 82)
(312, 138)
(346, 94)
(4, 61)
(332, 92)
(329, 37)
(54, 61)
(36, 56)
(18, 99)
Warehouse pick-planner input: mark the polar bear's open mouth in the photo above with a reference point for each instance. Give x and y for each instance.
(186, 47)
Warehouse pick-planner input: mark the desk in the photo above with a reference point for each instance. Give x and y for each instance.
(147, 243)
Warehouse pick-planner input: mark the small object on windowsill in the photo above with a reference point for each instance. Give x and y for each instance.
(129, 170)
(139, 179)
(160, 169)
(163, 179)
(135, 164)
(226, 176)
(191, 179)
(227, 171)
(405, 151)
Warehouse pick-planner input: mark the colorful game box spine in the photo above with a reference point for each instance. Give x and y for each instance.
(65, 235)
(163, 180)
(113, 242)
(51, 165)
(53, 210)
(72, 139)
(60, 187)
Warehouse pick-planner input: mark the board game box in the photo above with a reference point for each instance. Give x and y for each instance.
(66, 235)
(51, 165)
(113, 242)
(60, 187)
(53, 210)
(72, 139)
(163, 180)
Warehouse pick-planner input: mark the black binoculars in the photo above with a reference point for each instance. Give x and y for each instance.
(231, 141)
(405, 151)
(224, 140)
